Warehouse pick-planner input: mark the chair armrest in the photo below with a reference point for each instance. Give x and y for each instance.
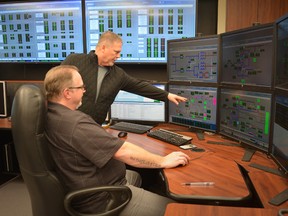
(282, 212)
(119, 198)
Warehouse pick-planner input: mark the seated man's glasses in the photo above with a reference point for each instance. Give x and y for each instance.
(77, 87)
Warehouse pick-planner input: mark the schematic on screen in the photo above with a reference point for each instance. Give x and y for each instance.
(245, 116)
(279, 149)
(282, 53)
(40, 32)
(200, 109)
(247, 56)
(145, 26)
(193, 59)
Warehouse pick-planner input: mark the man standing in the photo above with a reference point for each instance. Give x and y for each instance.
(103, 79)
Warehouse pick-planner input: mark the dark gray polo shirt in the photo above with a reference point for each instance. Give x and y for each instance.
(83, 152)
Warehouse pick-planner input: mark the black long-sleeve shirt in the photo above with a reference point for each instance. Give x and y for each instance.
(116, 79)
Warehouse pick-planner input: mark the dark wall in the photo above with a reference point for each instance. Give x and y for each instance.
(207, 17)
(206, 25)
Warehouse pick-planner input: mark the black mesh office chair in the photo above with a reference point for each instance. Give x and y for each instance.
(47, 193)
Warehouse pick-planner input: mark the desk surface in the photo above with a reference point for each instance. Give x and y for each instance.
(5, 124)
(229, 183)
(218, 164)
(177, 209)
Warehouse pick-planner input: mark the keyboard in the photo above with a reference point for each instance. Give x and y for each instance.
(169, 137)
(131, 127)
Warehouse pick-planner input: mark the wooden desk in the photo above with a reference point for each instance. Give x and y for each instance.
(5, 124)
(177, 209)
(218, 164)
(229, 185)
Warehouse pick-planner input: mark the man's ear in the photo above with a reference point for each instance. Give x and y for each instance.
(67, 93)
(103, 47)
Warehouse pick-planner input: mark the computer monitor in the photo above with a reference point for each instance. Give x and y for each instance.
(138, 109)
(247, 56)
(281, 80)
(246, 117)
(200, 110)
(12, 87)
(193, 59)
(46, 31)
(3, 99)
(279, 147)
(145, 26)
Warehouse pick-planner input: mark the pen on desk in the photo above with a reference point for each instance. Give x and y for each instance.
(198, 184)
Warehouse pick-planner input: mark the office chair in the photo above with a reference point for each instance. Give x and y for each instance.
(47, 193)
(283, 212)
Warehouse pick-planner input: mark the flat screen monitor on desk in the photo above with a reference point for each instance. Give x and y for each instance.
(3, 99)
(247, 56)
(200, 110)
(135, 108)
(193, 59)
(281, 80)
(46, 31)
(245, 116)
(279, 150)
(279, 147)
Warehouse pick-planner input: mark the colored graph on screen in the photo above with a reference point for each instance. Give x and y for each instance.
(193, 60)
(246, 116)
(199, 110)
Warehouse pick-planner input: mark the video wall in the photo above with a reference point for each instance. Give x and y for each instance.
(48, 31)
(40, 32)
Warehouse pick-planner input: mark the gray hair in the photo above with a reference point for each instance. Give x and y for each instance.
(57, 79)
(108, 38)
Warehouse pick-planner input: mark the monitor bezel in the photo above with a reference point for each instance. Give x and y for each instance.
(43, 62)
(193, 39)
(244, 143)
(277, 160)
(150, 62)
(4, 99)
(144, 122)
(277, 22)
(201, 85)
(251, 28)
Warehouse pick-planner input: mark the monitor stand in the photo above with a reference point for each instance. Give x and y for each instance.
(248, 154)
(266, 169)
(199, 133)
(282, 196)
(279, 198)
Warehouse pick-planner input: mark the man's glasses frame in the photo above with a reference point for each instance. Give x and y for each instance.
(83, 87)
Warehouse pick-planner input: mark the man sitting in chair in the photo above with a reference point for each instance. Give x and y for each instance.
(88, 156)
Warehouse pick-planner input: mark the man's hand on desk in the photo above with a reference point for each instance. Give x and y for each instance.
(175, 159)
(138, 157)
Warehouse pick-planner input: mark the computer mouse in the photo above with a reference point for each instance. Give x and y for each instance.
(122, 134)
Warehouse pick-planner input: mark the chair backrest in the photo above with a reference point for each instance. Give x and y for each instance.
(36, 165)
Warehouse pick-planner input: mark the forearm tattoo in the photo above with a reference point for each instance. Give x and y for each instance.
(145, 162)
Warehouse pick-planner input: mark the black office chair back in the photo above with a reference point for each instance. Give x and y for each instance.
(36, 165)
